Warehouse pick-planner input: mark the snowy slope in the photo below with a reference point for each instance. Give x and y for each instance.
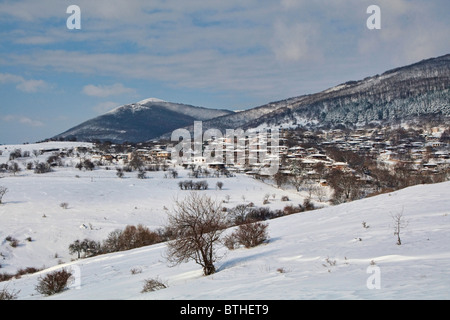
(322, 254)
(417, 90)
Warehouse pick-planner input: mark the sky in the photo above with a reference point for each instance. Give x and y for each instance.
(228, 54)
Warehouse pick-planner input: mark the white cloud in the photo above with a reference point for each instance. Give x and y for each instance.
(22, 84)
(257, 47)
(107, 91)
(23, 120)
(295, 42)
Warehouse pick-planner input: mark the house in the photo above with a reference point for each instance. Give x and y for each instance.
(216, 165)
(163, 155)
(339, 165)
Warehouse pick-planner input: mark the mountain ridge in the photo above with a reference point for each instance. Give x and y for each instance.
(395, 94)
(421, 89)
(130, 122)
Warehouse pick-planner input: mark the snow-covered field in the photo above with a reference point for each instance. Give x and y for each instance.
(321, 254)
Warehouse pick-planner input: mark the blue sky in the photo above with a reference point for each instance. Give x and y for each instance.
(218, 54)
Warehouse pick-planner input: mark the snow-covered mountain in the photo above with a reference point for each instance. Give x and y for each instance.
(418, 90)
(139, 121)
(410, 92)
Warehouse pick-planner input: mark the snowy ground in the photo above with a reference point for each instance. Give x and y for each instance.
(321, 254)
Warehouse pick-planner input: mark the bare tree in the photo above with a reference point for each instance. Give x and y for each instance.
(197, 224)
(14, 168)
(346, 186)
(136, 161)
(399, 224)
(3, 191)
(279, 178)
(297, 182)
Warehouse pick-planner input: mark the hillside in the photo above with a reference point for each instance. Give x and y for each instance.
(139, 122)
(320, 254)
(414, 92)
(418, 91)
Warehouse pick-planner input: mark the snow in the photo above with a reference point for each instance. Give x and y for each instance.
(320, 254)
(150, 100)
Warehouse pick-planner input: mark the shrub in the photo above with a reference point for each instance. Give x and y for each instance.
(141, 174)
(42, 167)
(13, 242)
(135, 237)
(54, 282)
(119, 173)
(153, 285)
(308, 205)
(219, 185)
(7, 295)
(27, 270)
(14, 168)
(3, 191)
(86, 164)
(88, 247)
(231, 242)
(287, 210)
(238, 214)
(64, 205)
(261, 213)
(131, 237)
(5, 277)
(251, 234)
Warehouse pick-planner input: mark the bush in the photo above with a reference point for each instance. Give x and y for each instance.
(119, 173)
(13, 242)
(54, 282)
(260, 214)
(308, 205)
(141, 174)
(231, 242)
(287, 210)
(42, 167)
(90, 248)
(135, 237)
(6, 277)
(131, 237)
(3, 191)
(238, 214)
(251, 234)
(86, 164)
(7, 295)
(153, 285)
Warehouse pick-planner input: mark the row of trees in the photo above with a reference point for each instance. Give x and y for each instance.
(119, 240)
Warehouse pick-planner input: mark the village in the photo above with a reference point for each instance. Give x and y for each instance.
(376, 159)
(428, 151)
